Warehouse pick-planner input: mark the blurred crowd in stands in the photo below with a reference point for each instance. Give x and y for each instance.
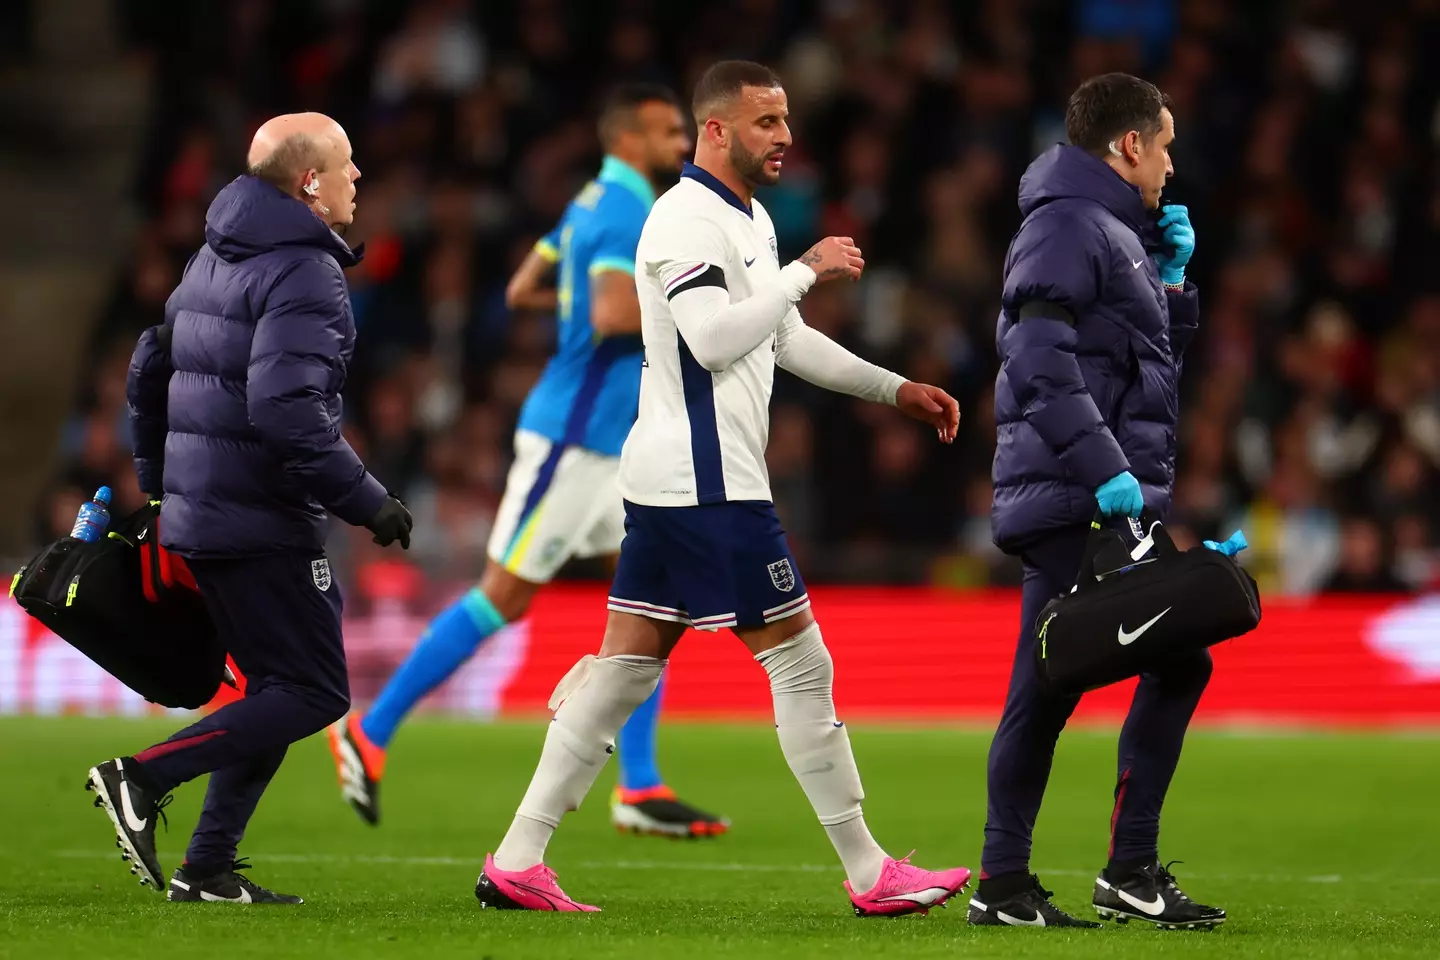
(1306, 151)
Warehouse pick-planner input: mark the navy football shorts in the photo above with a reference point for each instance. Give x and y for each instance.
(712, 566)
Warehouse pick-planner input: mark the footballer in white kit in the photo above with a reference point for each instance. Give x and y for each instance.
(711, 289)
(703, 547)
(561, 498)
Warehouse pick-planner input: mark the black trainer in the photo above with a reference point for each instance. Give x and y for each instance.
(1150, 893)
(657, 812)
(227, 886)
(1029, 906)
(133, 810)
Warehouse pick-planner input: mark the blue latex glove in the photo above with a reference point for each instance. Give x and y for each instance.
(1230, 547)
(1175, 226)
(1120, 496)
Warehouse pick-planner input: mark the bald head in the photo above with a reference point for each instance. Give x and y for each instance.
(308, 156)
(291, 134)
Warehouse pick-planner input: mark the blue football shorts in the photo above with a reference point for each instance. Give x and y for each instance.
(712, 566)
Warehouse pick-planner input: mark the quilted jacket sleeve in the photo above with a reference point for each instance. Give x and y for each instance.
(1052, 280)
(291, 381)
(147, 388)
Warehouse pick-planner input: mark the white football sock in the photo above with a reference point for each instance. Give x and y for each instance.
(817, 748)
(524, 844)
(591, 703)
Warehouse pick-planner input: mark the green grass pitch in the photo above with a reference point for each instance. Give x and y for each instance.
(1319, 846)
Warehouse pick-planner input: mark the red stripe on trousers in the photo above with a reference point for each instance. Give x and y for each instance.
(1115, 814)
(170, 746)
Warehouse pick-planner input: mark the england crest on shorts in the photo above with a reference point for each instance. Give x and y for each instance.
(782, 575)
(320, 573)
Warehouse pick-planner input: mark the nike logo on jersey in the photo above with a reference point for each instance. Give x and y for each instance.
(135, 823)
(825, 769)
(750, 261)
(1135, 264)
(1127, 637)
(1153, 909)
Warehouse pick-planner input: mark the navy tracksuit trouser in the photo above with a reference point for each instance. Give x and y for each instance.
(279, 618)
(1024, 744)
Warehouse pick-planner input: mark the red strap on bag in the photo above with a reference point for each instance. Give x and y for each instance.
(180, 571)
(147, 578)
(161, 570)
(163, 564)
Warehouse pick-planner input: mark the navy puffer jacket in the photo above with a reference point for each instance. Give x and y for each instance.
(1088, 383)
(235, 402)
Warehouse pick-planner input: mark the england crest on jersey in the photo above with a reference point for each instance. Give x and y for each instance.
(782, 575)
(320, 573)
(774, 250)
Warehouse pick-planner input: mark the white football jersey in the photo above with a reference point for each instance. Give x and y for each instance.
(700, 437)
(717, 313)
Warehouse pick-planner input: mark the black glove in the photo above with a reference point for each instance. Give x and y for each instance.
(391, 522)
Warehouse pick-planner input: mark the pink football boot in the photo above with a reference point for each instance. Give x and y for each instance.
(533, 889)
(904, 888)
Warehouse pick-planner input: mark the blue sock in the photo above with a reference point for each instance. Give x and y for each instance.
(452, 638)
(635, 745)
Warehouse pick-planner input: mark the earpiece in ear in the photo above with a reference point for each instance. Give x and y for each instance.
(312, 186)
(1114, 149)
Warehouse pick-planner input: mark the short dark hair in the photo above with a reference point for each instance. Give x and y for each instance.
(1109, 106)
(621, 106)
(723, 82)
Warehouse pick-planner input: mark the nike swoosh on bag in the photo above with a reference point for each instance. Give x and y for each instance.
(1153, 909)
(1128, 637)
